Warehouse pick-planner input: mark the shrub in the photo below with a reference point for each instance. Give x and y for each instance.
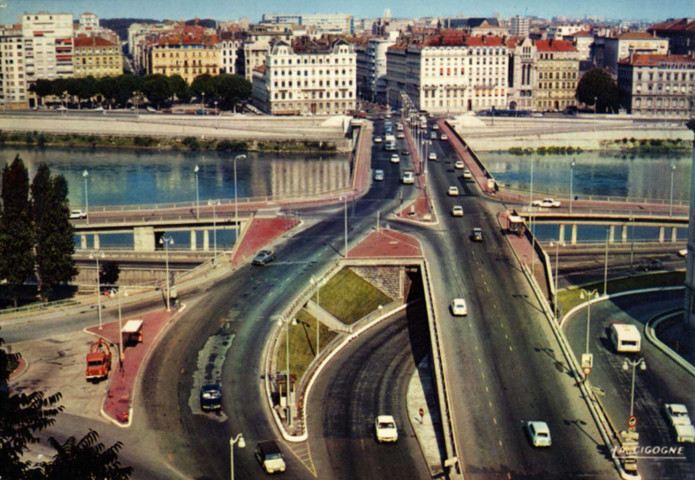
(192, 143)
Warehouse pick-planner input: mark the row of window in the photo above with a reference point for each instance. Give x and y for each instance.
(98, 60)
(275, 73)
(667, 75)
(658, 102)
(313, 96)
(665, 88)
(455, 60)
(557, 75)
(455, 93)
(336, 61)
(485, 51)
(189, 53)
(557, 85)
(330, 107)
(290, 83)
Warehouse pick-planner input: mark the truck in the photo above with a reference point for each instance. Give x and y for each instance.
(680, 421)
(390, 143)
(98, 361)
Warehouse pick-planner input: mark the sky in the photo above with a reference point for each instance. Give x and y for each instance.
(234, 9)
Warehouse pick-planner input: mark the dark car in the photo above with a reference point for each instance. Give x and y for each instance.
(264, 257)
(405, 152)
(650, 264)
(477, 235)
(211, 397)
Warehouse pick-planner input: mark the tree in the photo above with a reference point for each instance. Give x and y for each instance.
(597, 88)
(204, 83)
(53, 231)
(179, 87)
(16, 229)
(126, 84)
(232, 89)
(109, 273)
(41, 88)
(106, 86)
(157, 88)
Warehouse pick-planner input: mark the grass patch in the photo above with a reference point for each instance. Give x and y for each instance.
(349, 297)
(569, 298)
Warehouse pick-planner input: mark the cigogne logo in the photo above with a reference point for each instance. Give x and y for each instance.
(651, 452)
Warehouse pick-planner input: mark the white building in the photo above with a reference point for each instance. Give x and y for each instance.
(519, 26)
(322, 22)
(256, 46)
(558, 32)
(629, 43)
(450, 73)
(229, 45)
(315, 80)
(88, 22)
(371, 68)
(523, 74)
(13, 85)
(48, 47)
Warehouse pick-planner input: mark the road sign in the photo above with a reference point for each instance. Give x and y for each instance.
(632, 421)
(587, 370)
(422, 414)
(587, 360)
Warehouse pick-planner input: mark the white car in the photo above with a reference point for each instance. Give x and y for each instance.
(458, 307)
(400, 135)
(432, 156)
(467, 174)
(443, 137)
(395, 158)
(78, 214)
(459, 165)
(683, 252)
(538, 433)
(457, 211)
(385, 427)
(378, 140)
(435, 127)
(677, 414)
(378, 175)
(453, 191)
(408, 177)
(546, 203)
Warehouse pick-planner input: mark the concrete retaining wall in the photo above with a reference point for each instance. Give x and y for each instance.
(385, 278)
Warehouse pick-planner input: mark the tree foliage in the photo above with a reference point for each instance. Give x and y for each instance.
(157, 88)
(109, 273)
(597, 87)
(204, 83)
(41, 88)
(231, 90)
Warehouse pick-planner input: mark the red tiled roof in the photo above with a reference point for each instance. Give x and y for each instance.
(636, 36)
(646, 59)
(554, 46)
(583, 33)
(260, 68)
(674, 25)
(458, 38)
(88, 41)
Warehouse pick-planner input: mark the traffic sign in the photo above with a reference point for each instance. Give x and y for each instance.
(632, 421)
(587, 371)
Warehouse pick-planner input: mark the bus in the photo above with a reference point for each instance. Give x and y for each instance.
(390, 143)
(388, 128)
(625, 337)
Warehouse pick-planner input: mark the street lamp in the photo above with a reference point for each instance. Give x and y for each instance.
(232, 441)
(318, 308)
(287, 360)
(595, 104)
(135, 94)
(120, 327)
(215, 107)
(166, 241)
(85, 175)
(236, 203)
(627, 363)
(670, 208)
(344, 199)
(95, 256)
(202, 105)
(214, 203)
(584, 295)
(197, 199)
(573, 163)
(632, 243)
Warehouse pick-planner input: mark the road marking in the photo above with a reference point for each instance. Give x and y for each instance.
(506, 337)
(500, 442)
(303, 454)
(487, 390)
(494, 420)
(510, 348)
(490, 403)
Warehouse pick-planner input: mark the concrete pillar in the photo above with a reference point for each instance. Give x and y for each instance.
(83, 241)
(206, 240)
(143, 239)
(611, 234)
(193, 239)
(97, 246)
(573, 241)
(674, 234)
(623, 233)
(561, 234)
(662, 231)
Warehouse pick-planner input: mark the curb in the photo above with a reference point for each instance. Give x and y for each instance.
(650, 333)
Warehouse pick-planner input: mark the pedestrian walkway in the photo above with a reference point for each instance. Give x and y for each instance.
(387, 243)
(261, 233)
(118, 403)
(527, 256)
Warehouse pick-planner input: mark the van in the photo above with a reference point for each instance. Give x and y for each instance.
(270, 457)
(625, 337)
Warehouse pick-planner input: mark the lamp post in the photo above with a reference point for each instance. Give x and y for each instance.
(166, 241)
(344, 199)
(202, 105)
(632, 243)
(236, 203)
(573, 163)
(135, 94)
(287, 360)
(214, 203)
(583, 294)
(670, 208)
(121, 356)
(605, 267)
(627, 363)
(85, 175)
(96, 255)
(197, 198)
(318, 308)
(232, 441)
(595, 105)
(215, 107)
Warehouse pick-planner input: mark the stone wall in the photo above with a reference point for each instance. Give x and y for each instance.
(386, 278)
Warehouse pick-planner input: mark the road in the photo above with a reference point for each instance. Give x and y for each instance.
(663, 382)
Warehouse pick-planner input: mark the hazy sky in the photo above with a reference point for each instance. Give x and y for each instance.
(234, 9)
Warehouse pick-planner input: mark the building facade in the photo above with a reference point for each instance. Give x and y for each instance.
(680, 33)
(658, 85)
(48, 46)
(523, 71)
(97, 57)
(229, 45)
(519, 26)
(13, 79)
(256, 46)
(557, 76)
(322, 22)
(318, 80)
(188, 59)
(371, 68)
(625, 44)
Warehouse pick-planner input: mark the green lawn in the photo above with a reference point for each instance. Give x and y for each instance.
(349, 297)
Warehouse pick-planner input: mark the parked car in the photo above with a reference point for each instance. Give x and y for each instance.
(677, 415)
(443, 137)
(264, 257)
(61, 108)
(477, 235)
(385, 429)
(458, 307)
(211, 397)
(378, 175)
(650, 264)
(459, 165)
(538, 433)
(546, 203)
(78, 214)
(457, 211)
(453, 191)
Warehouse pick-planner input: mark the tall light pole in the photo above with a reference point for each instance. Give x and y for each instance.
(670, 208)
(627, 363)
(232, 441)
(95, 256)
(214, 203)
(135, 94)
(584, 295)
(318, 311)
(573, 163)
(632, 243)
(236, 202)
(166, 241)
(288, 322)
(85, 175)
(202, 105)
(197, 198)
(605, 268)
(120, 294)
(344, 199)
(595, 105)
(215, 107)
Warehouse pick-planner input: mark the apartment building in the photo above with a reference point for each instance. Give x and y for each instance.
(450, 72)
(13, 83)
(680, 33)
(519, 26)
(625, 44)
(322, 22)
(48, 46)
(371, 68)
(560, 31)
(523, 73)
(657, 85)
(307, 78)
(96, 57)
(229, 45)
(89, 22)
(256, 46)
(557, 75)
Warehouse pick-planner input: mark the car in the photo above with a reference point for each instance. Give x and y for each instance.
(536, 115)
(210, 397)
(405, 153)
(378, 175)
(683, 252)
(270, 457)
(78, 214)
(433, 135)
(458, 307)
(378, 139)
(477, 235)
(151, 109)
(677, 415)
(400, 135)
(385, 429)
(443, 137)
(546, 203)
(459, 165)
(408, 177)
(538, 433)
(467, 174)
(650, 264)
(457, 211)
(99, 109)
(435, 127)
(264, 257)
(432, 156)
(395, 158)
(62, 108)
(453, 191)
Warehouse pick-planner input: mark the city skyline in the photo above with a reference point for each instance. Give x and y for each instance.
(183, 10)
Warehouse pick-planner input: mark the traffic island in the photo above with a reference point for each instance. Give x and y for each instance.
(418, 211)
(260, 233)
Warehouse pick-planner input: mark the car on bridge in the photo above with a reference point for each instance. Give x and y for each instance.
(467, 174)
(378, 140)
(378, 175)
(264, 257)
(395, 158)
(443, 137)
(546, 203)
(457, 211)
(432, 156)
(78, 214)
(650, 264)
(459, 165)
(453, 191)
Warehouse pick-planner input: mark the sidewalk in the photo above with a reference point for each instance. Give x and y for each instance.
(261, 233)
(387, 243)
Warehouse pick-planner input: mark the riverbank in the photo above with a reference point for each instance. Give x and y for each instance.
(528, 135)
